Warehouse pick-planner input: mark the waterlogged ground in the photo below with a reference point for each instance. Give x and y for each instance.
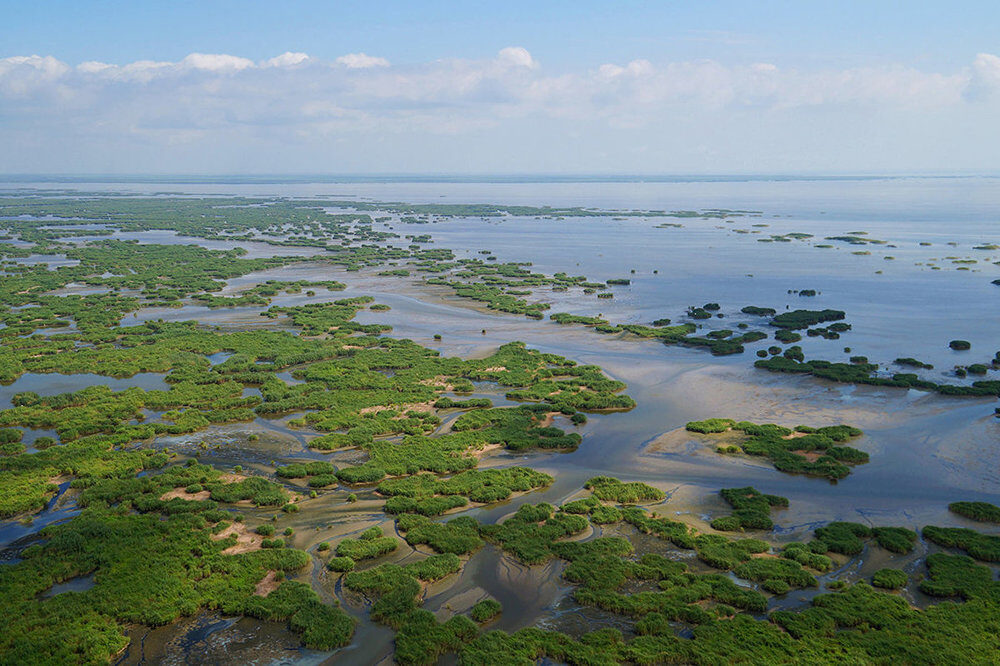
(905, 297)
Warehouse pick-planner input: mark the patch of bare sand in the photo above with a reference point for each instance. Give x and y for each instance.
(489, 448)
(811, 456)
(200, 496)
(677, 440)
(268, 584)
(246, 541)
(461, 603)
(548, 419)
(440, 381)
(422, 407)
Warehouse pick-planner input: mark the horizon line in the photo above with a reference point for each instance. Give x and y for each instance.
(180, 177)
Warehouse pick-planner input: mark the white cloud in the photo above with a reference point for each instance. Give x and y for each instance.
(292, 96)
(516, 56)
(45, 66)
(988, 65)
(216, 62)
(361, 61)
(635, 68)
(93, 67)
(286, 59)
(985, 80)
(23, 76)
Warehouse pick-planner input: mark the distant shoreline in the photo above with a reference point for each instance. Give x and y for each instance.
(220, 179)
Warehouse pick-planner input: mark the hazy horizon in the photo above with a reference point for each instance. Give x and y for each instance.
(481, 177)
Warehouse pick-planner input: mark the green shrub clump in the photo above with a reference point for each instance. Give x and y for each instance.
(799, 319)
(751, 509)
(420, 638)
(912, 362)
(458, 537)
(983, 547)
(890, 579)
(847, 538)
(758, 311)
(429, 495)
(340, 564)
(612, 490)
(370, 544)
(529, 534)
(790, 450)
(767, 570)
(710, 426)
(485, 610)
(983, 512)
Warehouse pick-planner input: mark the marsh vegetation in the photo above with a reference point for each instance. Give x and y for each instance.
(390, 431)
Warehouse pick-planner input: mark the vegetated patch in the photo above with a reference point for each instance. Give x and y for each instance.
(759, 311)
(863, 372)
(395, 589)
(370, 544)
(598, 512)
(787, 336)
(531, 531)
(849, 538)
(751, 509)
(151, 557)
(981, 546)
(429, 495)
(890, 579)
(856, 238)
(459, 536)
(957, 576)
(485, 610)
(983, 512)
(802, 450)
(633, 492)
(799, 319)
(912, 362)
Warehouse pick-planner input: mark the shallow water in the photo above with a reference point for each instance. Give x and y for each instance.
(54, 384)
(78, 584)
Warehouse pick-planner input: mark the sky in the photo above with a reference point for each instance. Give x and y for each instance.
(301, 86)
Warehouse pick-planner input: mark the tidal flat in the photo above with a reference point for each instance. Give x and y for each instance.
(373, 423)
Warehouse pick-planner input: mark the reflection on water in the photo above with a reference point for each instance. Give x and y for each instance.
(53, 384)
(78, 584)
(208, 638)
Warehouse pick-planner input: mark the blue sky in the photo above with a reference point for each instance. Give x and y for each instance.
(654, 87)
(565, 34)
